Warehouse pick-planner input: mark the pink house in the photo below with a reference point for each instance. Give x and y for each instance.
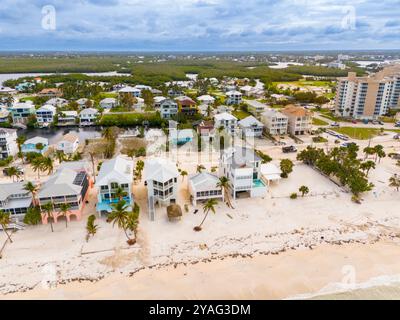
(70, 184)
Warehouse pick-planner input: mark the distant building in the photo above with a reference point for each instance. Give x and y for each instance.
(368, 97)
(45, 114)
(57, 102)
(206, 130)
(8, 143)
(276, 123)
(157, 101)
(187, 106)
(4, 115)
(88, 117)
(226, 121)
(31, 145)
(108, 103)
(168, 108)
(233, 97)
(21, 111)
(299, 119)
(68, 144)
(255, 107)
(134, 92)
(206, 99)
(85, 103)
(251, 127)
(66, 118)
(50, 92)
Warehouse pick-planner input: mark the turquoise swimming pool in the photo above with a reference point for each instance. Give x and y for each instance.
(258, 183)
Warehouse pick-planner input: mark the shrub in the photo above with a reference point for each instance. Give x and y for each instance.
(293, 195)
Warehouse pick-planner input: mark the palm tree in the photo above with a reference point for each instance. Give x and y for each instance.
(37, 165)
(91, 228)
(200, 168)
(208, 206)
(132, 222)
(225, 185)
(183, 174)
(47, 164)
(4, 222)
(60, 156)
(65, 209)
(394, 182)
(47, 209)
(13, 172)
(30, 187)
(20, 141)
(120, 193)
(119, 216)
(367, 166)
(139, 169)
(39, 146)
(304, 190)
(380, 153)
(368, 151)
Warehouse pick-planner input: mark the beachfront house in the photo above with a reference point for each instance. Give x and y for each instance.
(108, 103)
(36, 144)
(206, 130)
(21, 111)
(206, 99)
(204, 186)
(88, 117)
(242, 167)
(67, 118)
(300, 119)
(45, 114)
(161, 180)
(14, 199)
(84, 103)
(233, 97)
(70, 184)
(276, 123)
(251, 127)
(68, 144)
(114, 174)
(270, 173)
(226, 121)
(8, 143)
(168, 108)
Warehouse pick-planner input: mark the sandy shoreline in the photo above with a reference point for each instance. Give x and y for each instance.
(321, 270)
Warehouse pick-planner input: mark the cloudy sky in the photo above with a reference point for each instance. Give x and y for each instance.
(199, 25)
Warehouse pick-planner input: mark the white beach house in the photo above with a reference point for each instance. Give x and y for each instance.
(227, 121)
(114, 174)
(206, 99)
(161, 179)
(67, 118)
(251, 127)
(204, 186)
(242, 167)
(14, 199)
(108, 103)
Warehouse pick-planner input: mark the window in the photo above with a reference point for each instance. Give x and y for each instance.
(114, 185)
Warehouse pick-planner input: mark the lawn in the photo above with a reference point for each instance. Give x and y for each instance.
(358, 133)
(240, 114)
(319, 122)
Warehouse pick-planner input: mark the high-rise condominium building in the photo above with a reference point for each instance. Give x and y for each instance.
(368, 97)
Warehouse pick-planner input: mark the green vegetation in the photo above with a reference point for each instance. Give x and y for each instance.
(341, 163)
(319, 122)
(358, 133)
(319, 139)
(132, 119)
(240, 114)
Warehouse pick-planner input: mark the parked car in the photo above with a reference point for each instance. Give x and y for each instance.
(397, 136)
(289, 149)
(354, 121)
(397, 124)
(335, 124)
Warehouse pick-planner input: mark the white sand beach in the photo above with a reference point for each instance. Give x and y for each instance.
(271, 247)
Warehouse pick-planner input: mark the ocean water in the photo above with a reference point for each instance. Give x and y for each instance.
(378, 288)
